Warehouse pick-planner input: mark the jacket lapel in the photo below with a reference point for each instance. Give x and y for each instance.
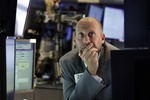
(101, 63)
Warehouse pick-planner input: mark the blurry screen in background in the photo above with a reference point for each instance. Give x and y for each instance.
(113, 23)
(96, 11)
(21, 13)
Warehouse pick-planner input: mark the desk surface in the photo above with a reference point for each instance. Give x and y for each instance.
(49, 86)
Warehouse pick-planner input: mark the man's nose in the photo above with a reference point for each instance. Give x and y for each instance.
(86, 40)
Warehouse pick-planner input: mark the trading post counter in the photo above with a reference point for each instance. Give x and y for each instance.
(41, 92)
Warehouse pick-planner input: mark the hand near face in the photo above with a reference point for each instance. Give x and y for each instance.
(90, 57)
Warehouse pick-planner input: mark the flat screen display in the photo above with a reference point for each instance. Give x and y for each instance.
(113, 23)
(96, 12)
(20, 63)
(130, 74)
(21, 14)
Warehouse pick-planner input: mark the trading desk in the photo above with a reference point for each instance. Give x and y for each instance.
(41, 92)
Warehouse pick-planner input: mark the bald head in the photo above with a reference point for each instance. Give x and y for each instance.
(89, 31)
(87, 21)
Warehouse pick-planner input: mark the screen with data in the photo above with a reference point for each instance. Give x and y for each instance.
(24, 64)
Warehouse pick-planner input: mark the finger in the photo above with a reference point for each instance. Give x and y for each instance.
(90, 54)
(87, 49)
(89, 46)
(95, 55)
(80, 53)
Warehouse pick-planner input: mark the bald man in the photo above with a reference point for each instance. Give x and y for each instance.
(86, 70)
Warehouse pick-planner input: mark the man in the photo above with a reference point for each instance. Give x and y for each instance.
(86, 70)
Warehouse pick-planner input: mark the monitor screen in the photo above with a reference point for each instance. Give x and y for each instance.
(113, 23)
(21, 14)
(96, 11)
(24, 63)
(130, 74)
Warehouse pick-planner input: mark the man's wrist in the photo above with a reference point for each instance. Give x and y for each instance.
(92, 73)
(99, 79)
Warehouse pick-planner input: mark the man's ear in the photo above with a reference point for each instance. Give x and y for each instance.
(74, 38)
(103, 38)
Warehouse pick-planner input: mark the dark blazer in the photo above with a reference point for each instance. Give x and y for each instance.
(87, 88)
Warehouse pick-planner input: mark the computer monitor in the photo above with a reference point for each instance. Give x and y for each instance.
(96, 11)
(20, 63)
(113, 23)
(130, 74)
(24, 63)
(21, 15)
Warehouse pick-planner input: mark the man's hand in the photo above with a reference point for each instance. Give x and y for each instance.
(90, 57)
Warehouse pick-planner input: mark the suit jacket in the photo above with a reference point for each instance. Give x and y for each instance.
(87, 88)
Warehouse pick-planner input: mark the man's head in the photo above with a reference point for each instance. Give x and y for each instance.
(89, 30)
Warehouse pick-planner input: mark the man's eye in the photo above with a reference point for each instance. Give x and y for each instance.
(91, 34)
(81, 34)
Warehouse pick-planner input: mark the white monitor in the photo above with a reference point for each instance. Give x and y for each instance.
(113, 23)
(96, 12)
(20, 63)
(21, 14)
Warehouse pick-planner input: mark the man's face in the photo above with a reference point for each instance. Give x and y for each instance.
(89, 32)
